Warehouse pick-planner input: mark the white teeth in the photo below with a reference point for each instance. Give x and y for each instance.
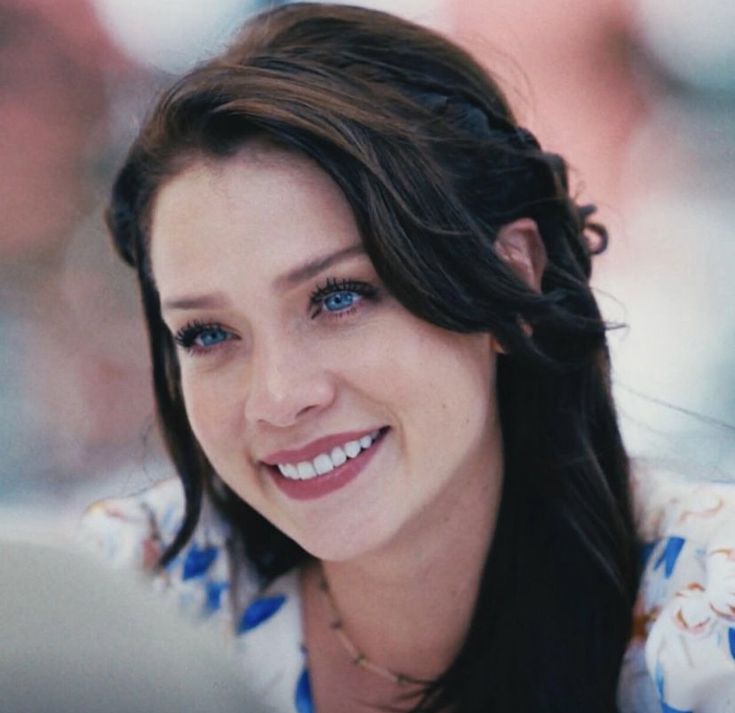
(326, 462)
(352, 449)
(323, 464)
(338, 456)
(290, 471)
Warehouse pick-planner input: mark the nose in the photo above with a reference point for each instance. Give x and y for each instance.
(285, 384)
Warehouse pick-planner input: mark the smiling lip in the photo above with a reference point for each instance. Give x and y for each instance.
(313, 449)
(321, 485)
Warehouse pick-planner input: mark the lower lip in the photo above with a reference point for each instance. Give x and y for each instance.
(329, 482)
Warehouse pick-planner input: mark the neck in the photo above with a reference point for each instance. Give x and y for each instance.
(408, 606)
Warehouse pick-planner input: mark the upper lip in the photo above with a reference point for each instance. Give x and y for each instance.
(311, 450)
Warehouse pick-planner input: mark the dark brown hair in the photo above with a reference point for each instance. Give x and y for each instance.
(428, 154)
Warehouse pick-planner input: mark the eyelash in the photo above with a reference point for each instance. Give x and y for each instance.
(189, 333)
(333, 286)
(186, 336)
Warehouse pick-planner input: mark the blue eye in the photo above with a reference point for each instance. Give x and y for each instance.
(198, 338)
(338, 301)
(338, 297)
(210, 336)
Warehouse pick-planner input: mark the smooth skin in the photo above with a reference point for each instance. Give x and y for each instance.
(269, 365)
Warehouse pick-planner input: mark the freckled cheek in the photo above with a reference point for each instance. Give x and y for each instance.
(447, 387)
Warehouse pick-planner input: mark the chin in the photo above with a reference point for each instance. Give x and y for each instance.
(341, 544)
(342, 552)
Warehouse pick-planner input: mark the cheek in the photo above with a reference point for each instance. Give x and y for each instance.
(460, 389)
(438, 382)
(212, 412)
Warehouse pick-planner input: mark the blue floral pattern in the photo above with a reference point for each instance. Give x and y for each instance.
(670, 554)
(303, 700)
(259, 611)
(686, 604)
(682, 653)
(198, 561)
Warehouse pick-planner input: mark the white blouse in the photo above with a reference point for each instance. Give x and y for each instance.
(681, 658)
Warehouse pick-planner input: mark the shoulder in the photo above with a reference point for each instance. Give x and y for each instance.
(685, 613)
(667, 503)
(210, 579)
(132, 532)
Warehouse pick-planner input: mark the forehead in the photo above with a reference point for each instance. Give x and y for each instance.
(263, 208)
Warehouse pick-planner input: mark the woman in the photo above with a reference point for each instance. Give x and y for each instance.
(382, 377)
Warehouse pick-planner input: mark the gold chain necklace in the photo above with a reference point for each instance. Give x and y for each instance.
(355, 655)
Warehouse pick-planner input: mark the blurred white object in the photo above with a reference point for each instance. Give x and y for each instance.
(77, 638)
(172, 35)
(693, 41)
(675, 282)
(429, 13)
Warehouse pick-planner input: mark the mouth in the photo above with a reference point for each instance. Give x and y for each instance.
(329, 470)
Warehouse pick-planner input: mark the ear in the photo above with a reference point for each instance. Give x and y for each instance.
(520, 246)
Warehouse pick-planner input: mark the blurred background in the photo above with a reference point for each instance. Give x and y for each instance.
(639, 95)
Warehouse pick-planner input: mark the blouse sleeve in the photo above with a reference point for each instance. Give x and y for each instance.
(685, 613)
(132, 532)
(128, 532)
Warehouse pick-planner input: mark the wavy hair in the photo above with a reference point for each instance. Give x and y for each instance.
(426, 150)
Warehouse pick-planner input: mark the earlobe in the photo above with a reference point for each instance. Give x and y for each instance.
(520, 246)
(496, 346)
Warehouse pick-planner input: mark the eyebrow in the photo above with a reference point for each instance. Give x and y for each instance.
(212, 300)
(314, 267)
(295, 276)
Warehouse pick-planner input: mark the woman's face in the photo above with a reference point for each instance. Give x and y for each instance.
(323, 403)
